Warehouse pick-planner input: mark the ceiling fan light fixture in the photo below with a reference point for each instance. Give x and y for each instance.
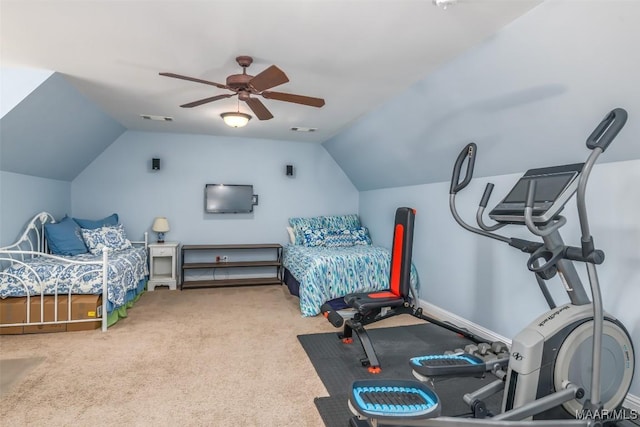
(235, 119)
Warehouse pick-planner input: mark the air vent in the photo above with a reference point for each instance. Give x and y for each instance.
(157, 118)
(301, 129)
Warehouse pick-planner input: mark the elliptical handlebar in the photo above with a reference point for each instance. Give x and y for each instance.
(482, 206)
(467, 153)
(528, 215)
(607, 130)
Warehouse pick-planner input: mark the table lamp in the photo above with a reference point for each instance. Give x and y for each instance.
(160, 226)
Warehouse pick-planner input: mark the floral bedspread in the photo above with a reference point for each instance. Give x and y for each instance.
(126, 268)
(326, 273)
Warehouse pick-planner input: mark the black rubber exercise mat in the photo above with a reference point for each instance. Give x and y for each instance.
(338, 365)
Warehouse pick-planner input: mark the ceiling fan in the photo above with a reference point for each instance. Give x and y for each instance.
(247, 87)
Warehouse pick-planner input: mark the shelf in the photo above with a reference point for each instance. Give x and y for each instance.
(198, 252)
(230, 264)
(241, 246)
(250, 281)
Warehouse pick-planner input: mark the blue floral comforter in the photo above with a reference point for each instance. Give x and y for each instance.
(126, 269)
(326, 273)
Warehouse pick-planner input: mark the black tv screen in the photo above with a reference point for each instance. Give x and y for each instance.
(229, 198)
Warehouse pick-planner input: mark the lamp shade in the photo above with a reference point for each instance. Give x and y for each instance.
(160, 225)
(236, 120)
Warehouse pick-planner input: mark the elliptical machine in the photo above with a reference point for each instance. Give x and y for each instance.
(550, 372)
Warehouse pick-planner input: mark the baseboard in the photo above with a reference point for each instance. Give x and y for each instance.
(631, 402)
(447, 316)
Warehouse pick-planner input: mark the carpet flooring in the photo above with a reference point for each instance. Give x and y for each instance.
(12, 371)
(338, 365)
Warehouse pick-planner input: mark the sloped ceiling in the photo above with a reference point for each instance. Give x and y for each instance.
(530, 92)
(529, 97)
(55, 132)
(355, 54)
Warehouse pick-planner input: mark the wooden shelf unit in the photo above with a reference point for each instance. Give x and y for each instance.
(276, 263)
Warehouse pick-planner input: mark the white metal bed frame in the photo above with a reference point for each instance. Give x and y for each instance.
(32, 244)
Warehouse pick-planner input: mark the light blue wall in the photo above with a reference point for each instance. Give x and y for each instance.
(121, 180)
(54, 132)
(536, 88)
(486, 281)
(23, 196)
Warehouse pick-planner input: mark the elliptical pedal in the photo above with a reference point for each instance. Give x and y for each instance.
(382, 399)
(448, 365)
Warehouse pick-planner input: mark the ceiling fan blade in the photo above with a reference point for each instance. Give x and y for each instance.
(298, 99)
(259, 109)
(206, 100)
(271, 77)
(193, 79)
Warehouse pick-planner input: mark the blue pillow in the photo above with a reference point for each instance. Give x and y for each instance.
(313, 236)
(361, 236)
(338, 238)
(64, 237)
(340, 222)
(300, 224)
(113, 238)
(89, 224)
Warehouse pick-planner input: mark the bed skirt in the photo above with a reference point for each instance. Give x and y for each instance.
(132, 297)
(294, 289)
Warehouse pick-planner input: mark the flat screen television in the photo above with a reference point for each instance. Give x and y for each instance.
(229, 198)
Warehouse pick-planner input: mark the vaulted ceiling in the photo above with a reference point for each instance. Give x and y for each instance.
(406, 83)
(355, 54)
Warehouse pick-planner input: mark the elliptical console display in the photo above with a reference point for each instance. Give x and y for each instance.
(555, 186)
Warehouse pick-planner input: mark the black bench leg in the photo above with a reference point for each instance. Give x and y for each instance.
(371, 358)
(347, 333)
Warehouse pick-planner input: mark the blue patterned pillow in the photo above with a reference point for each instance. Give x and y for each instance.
(300, 224)
(313, 236)
(341, 222)
(338, 238)
(332, 223)
(361, 236)
(113, 238)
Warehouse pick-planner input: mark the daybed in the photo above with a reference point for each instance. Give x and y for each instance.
(331, 256)
(54, 263)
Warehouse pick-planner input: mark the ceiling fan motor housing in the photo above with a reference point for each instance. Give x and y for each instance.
(244, 61)
(239, 81)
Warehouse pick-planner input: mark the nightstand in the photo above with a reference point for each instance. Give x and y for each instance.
(163, 265)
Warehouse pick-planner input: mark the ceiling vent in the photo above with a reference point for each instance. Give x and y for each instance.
(303, 129)
(444, 3)
(156, 118)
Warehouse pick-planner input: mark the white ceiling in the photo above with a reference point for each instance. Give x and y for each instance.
(355, 54)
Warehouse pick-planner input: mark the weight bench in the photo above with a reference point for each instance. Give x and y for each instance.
(375, 306)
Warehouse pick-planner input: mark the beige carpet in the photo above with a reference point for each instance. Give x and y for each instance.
(203, 357)
(12, 371)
